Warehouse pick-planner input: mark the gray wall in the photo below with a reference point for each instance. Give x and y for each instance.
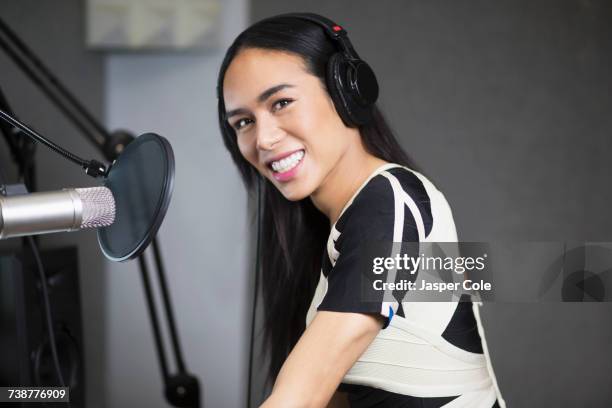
(55, 31)
(506, 107)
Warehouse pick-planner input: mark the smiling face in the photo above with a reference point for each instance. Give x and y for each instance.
(285, 122)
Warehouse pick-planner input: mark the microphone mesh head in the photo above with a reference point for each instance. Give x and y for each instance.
(98, 207)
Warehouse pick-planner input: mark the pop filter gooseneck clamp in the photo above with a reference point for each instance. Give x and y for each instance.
(92, 168)
(180, 389)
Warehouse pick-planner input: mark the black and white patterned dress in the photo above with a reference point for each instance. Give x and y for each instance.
(428, 354)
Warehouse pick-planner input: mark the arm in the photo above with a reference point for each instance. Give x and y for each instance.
(326, 351)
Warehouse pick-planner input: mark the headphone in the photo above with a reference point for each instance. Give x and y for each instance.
(350, 80)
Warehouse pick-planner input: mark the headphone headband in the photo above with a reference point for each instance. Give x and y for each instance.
(334, 31)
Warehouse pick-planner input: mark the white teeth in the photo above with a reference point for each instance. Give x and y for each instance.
(287, 163)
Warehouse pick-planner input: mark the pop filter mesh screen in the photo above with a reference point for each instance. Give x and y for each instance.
(141, 180)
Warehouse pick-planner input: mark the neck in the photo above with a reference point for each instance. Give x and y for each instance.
(339, 186)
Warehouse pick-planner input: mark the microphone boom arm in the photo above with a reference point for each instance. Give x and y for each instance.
(181, 389)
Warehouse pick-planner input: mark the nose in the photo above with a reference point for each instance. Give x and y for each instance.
(268, 134)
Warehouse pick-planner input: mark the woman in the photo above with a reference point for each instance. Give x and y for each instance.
(325, 157)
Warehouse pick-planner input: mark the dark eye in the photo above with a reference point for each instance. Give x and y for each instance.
(280, 104)
(240, 123)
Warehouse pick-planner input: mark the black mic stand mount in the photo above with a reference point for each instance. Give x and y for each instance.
(181, 389)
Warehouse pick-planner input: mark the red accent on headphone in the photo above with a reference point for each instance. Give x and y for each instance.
(337, 28)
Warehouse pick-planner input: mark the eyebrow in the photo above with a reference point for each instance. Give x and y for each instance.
(261, 98)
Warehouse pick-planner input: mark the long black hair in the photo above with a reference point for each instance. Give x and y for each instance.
(294, 233)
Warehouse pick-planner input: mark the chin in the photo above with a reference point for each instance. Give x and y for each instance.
(294, 195)
(294, 191)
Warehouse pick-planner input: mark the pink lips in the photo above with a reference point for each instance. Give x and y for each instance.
(288, 175)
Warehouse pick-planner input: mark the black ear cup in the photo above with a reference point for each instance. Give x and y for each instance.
(350, 81)
(353, 88)
(334, 86)
(364, 86)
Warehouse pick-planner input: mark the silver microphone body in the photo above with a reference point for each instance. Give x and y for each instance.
(56, 211)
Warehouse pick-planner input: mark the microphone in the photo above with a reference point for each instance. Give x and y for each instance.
(126, 212)
(56, 211)
(139, 183)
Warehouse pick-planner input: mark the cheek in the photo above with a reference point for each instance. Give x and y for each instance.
(247, 149)
(325, 134)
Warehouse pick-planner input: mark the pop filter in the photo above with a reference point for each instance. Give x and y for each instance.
(141, 180)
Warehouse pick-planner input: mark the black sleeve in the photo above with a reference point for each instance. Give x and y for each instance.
(367, 231)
